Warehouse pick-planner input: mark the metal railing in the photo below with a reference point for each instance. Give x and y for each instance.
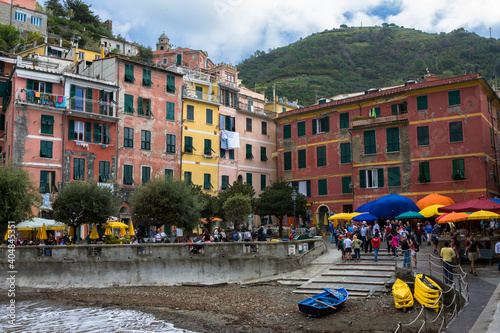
(92, 106)
(39, 98)
(191, 93)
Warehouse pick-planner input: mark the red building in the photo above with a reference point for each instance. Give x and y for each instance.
(428, 136)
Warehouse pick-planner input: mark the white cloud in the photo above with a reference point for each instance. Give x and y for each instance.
(231, 30)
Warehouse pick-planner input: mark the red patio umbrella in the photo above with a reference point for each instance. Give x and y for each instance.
(472, 206)
(434, 199)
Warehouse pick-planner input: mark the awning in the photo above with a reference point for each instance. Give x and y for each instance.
(38, 222)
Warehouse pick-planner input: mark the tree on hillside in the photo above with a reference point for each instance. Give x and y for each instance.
(81, 12)
(276, 200)
(145, 52)
(236, 208)
(9, 37)
(54, 7)
(18, 194)
(167, 201)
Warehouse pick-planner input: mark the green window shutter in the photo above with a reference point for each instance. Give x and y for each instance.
(97, 133)
(43, 181)
(302, 158)
(30, 85)
(170, 84)
(89, 103)
(326, 122)
(179, 59)
(72, 93)
(454, 97)
(377, 112)
(188, 144)
(222, 153)
(394, 108)
(301, 129)
(208, 147)
(314, 126)
(146, 174)
(344, 120)
(392, 139)
(71, 129)
(394, 176)
(223, 185)
(209, 116)
(263, 154)
(140, 110)
(370, 144)
(424, 175)
(249, 179)
(231, 154)
(322, 187)
(362, 178)
(249, 154)
(88, 131)
(129, 73)
(380, 177)
(287, 131)
(346, 181)
(262, 182)
(48, 87)
(345, 152)
(308, 187)
(422, 103)
(228, 124)
(287, 156)
(187, 177)
(458, 169)
(226, 98)
(149, 107)
(321, 156)
(129, 103)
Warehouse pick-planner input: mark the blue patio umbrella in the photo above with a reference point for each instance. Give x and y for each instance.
(495, 200)
(365, 217)
(392, 205)
(364, 208)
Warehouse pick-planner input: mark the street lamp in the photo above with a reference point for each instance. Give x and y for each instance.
(294, 199)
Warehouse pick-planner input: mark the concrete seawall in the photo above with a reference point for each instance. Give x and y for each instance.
(83, 266)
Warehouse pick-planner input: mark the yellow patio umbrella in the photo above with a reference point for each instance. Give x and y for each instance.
(94, 234)
(116, 225)
(107, 231)
(123, 232)
(71, 231)
(483, 215)
(7, 234)
(343, 216)
(431, 211)
(38, 232)
(131, 231)
(43, 232)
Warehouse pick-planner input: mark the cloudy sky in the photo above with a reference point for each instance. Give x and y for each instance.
(231, 30)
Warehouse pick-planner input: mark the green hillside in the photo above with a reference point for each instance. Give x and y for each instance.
(354, 59)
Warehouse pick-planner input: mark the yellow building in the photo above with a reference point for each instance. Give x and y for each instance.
(280, 105)
(200, 130)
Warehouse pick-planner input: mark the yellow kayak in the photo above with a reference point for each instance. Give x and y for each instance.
(427, 292)
(402, 295)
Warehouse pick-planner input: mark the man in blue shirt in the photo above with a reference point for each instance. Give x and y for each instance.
(332, 233)
(428, 231)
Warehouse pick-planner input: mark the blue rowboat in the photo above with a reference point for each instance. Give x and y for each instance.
(323, 303)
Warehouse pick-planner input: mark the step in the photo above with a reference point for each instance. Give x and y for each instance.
(377, 283)
(322, 289)
(353, 294)
(360, 275)
(361, 268)
(361, 264)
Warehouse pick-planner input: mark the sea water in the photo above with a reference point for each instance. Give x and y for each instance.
(48, 316)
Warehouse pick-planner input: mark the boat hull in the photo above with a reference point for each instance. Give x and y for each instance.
(323, 303)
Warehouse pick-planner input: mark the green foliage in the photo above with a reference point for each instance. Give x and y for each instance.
(210, 203)
(55, 8)
(84, 203)
(353, 59)
(145, 52)
(9, 37)
(81, 12)
(167, 201)
(18, 194)
(237, 207)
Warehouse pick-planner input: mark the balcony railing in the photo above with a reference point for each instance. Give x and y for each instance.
(39, 98)
(191, 93)
(191, 74)
(92, 106)
(243, 105)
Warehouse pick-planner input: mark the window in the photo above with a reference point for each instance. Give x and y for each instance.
(249, 154)
(249, 179)
(170, 111)
(81, 55)
(179, 59)
(345, 152)
(188, 144)
(170, 143)
(2, 124)
(128, 175)
(209, 117)
(227, 123)
(146, 77)
(264, 128)
(199, 92)
(456, 134)
(321, 125)
(283, 109)
(422, 103)
(145, 140)
(424, 174)
(263, 154)
(129, 73)
(144, 107)
(190, 112)
(375, 112)
(370, 143)
(287, 131)
(249, 124)
(101, 133)
(188, 177)
(128, 137)
(165, 61)
(392, 139)
(373, 178)
(171, 84)
(322, 101)
(207, 184)
(208, 148)
(169, 173)
(399, 108)
(454, 97)
(231, 154)
(458, 169)
(18, 16)
(301, 129)
(146, 174)
(77, 98)
(322, 187)
(78, 168)
(106, 103)
(36, 21)
(104, 171)
(128, 104)
(262, 182)
(344, 120)
(423, 135)
(47, 126)
(302, 187)
(76, 130)
(302, 158)
(224, 182)
(46, 149)
(47, 181)
(394, 176)
(222, 153)
(287, 157)
(321, 156)
(346, 185)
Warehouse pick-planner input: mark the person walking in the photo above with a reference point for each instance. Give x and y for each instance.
(363, 230)
(376, 245)
(348, 248)
(405, 246)
(448, 254)
(428, 232)
(332, 233)
(394, 245)
(418, 232)
(497, 251)
(388, 239)
(414, 249)
(356, 245)
(472, 249)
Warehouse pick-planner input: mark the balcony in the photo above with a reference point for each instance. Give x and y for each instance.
(92, 107)
(243, 106)
(366, 122)
(35, 98)
(190, 75)
(198, 95)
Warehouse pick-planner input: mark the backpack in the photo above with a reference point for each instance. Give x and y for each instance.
(235, 236)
